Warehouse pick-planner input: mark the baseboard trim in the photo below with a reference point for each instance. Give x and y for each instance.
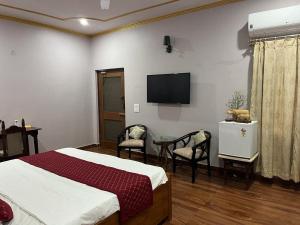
(85, 147)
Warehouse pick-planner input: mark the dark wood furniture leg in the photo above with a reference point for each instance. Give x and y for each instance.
(225, 171)
(164, 154)
(145, 155)
(34, 133)
(249, 173)
(166, 157)
(208, 166)
(35, 141)
(161, 155)
(245, 167)
(194, 168)
(174, 164)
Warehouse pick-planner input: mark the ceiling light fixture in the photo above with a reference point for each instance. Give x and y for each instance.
(84, 22)
(104, 4)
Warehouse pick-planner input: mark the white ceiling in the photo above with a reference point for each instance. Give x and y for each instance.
(65, 13)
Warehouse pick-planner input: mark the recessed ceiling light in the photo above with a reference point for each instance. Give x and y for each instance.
(84, 22)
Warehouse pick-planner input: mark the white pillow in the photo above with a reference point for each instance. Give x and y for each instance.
(136, 132)
(199, 137)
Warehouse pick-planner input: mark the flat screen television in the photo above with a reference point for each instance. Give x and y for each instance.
(169, 88)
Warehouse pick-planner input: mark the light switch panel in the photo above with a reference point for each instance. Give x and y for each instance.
(136, 108)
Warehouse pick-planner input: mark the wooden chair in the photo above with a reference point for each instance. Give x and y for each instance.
(14, 142)
(126, 142)
(191, 152)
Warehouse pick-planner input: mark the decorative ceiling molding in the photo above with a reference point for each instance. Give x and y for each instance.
(126, 26)
(34, 23)
(167, 16)
(89, 18)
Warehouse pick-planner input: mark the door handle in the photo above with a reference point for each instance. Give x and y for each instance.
(121, 114)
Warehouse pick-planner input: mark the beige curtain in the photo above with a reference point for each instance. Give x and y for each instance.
(275, 104)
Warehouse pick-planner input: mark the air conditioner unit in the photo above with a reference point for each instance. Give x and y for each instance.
(278, 22)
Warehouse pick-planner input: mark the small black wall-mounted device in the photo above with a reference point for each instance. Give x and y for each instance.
(167, 42)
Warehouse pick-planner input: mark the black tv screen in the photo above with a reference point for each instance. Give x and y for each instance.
(169, 88)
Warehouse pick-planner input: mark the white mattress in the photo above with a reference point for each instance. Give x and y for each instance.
(40, 197)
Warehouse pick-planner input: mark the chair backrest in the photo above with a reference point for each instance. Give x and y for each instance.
(186, 140)
(127, 129)
(14, 140)
(206, 146)
(207, 134)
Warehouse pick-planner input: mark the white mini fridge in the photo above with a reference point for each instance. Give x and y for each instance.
(238, 139)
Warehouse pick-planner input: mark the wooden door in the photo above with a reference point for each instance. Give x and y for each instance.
(111, 106)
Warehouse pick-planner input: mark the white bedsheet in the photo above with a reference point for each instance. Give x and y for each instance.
(39, 197)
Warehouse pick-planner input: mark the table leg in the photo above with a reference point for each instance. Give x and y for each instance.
(161, 154)
(166, 158)
(249, 171)
(225, 171)
(35, 141)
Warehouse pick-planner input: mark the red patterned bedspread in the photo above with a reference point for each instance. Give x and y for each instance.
(134, 191)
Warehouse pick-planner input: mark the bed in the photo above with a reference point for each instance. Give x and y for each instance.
(39, 197)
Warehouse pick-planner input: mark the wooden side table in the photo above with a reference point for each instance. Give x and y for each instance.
(32, 131)
(232, 163)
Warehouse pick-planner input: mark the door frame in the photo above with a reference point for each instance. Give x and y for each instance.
(106, 144)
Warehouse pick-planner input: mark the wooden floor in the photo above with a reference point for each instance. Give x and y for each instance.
(209, 202)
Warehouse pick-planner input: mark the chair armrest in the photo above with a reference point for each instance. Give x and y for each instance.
(204, 145)
(144, 136)
(182, 139)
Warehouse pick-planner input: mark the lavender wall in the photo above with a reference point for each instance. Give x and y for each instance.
(45, 78)
(211, 44)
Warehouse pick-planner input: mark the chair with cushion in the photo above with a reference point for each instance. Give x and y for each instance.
(133, 137)
(13, 142)
(193, 147)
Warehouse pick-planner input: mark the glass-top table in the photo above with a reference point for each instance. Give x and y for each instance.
(164, 143)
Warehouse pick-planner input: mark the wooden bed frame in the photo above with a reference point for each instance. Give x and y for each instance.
(160, 211)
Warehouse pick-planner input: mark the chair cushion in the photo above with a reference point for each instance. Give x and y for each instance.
(132, 143)
(199, 137)
(188, 152)
(136, 132)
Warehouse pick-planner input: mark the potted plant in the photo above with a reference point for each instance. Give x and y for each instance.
(237, 101)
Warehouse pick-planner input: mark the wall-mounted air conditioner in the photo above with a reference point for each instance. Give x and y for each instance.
(278, 22)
